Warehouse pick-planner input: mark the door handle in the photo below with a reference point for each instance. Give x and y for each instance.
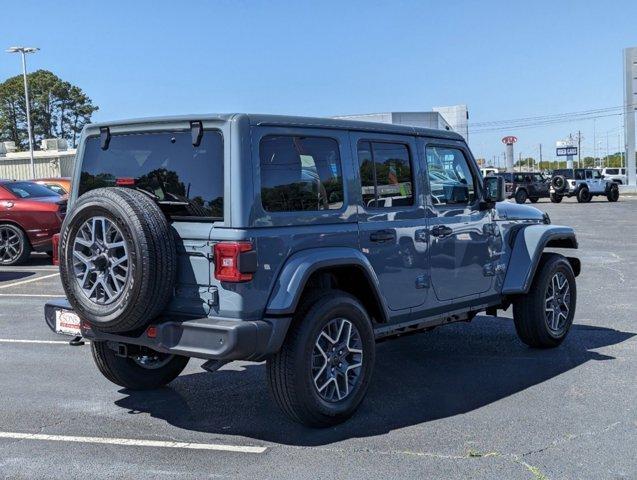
(382, 236)
(441, 231)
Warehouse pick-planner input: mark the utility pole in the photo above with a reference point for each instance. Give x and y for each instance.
(540, 164)
(579, 149)
(24, 51)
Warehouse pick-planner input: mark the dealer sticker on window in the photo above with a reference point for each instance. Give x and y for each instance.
(67, 323)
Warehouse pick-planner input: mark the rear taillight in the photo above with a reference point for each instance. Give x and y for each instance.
(234, 261)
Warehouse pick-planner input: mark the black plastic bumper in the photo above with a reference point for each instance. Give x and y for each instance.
(208, 337)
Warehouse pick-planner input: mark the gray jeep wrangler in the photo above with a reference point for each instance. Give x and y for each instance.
(298, 241)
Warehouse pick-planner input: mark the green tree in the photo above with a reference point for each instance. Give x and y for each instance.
(58, 108)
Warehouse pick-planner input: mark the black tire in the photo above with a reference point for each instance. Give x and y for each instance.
(152, 259)
(129, 373)
(290, 372)
(521, 196)
(613, 193)
(555, 198)
(15, 248)
(583, 195)
(529, 315)
(559, 183)
(534, 199)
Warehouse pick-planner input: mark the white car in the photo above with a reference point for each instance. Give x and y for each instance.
(617, 175)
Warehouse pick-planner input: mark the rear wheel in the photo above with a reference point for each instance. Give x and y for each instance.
(555, 198)
(534, 199)
(322, 372)
(14, 245)
(544, 316)
(144, 371)
(521, 196)
(584, 195)
(613, 193)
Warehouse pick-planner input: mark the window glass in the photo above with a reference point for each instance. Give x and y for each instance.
(184, 180)
(579, 175)
(538, 177)
(368, 174)
(29, 190)
(612, 171)
(56, 188)
(450, 177)
(300, 173)
(385, 174)
(597, 174)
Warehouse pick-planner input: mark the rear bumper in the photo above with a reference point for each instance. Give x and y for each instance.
(208, 337)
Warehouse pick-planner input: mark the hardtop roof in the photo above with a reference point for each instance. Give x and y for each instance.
(289, 121)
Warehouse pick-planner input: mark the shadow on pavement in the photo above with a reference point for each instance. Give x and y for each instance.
(9, 276)
(419, 378)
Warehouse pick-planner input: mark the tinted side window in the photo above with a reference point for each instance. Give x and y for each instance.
(300, 173)
(450, 177)
(385, 170)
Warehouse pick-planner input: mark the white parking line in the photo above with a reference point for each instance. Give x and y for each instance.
(133, 442)
(40, 295)
(46, 342)
(28, 269)
(15, 284)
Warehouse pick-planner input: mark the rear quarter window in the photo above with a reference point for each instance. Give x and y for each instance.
(300, 173)
(185, 181)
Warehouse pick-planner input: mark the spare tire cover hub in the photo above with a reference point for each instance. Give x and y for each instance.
(100, 260)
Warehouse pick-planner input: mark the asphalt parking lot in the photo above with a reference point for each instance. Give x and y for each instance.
(463, 401)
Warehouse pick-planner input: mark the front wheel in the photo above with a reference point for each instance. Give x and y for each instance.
(544, 316)
(145, 370)
(322, 372)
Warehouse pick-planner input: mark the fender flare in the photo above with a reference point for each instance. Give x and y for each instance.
(296, 271)
(529, 243)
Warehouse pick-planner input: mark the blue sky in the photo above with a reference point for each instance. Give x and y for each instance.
(505, 60)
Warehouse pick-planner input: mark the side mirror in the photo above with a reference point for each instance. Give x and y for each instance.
(493, 189)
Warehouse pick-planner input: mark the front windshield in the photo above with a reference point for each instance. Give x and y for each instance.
(29, 190)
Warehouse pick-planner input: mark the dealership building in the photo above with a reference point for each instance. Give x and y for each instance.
(441, 118)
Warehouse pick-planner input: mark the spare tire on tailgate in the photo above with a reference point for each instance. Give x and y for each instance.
(117, 259)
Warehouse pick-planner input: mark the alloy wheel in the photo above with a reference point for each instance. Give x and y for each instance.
(100, 260)
(337, 360)
(557, 303)
(10, 245)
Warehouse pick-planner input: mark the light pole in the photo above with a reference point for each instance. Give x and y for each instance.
(24, 51)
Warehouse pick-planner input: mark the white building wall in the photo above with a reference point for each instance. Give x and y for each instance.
(17, 165)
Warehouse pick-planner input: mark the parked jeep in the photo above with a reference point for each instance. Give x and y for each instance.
(525, 185)
(582, 183)
(298, 241)
(617, 175)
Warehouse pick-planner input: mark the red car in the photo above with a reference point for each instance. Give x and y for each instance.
(30, 214)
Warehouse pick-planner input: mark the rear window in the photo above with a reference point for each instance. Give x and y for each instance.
(29, 190)
(612, 171)
(185, 181)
